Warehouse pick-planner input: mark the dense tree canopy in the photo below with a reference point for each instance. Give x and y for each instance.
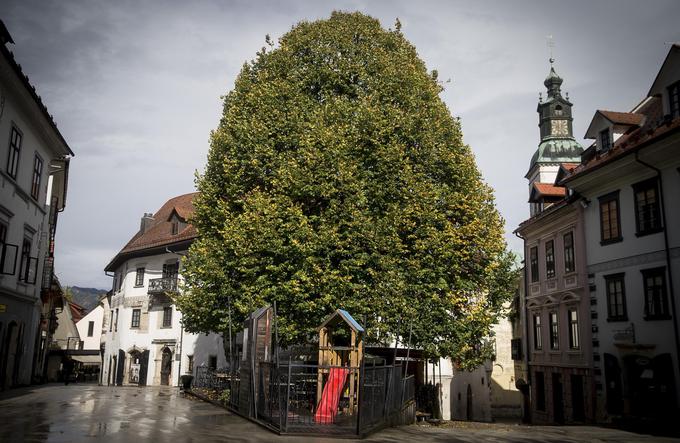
(337, 178)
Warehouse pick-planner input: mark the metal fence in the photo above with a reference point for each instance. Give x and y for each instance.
(315, 399)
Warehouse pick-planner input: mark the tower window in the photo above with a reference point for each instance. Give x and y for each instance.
(558, 110)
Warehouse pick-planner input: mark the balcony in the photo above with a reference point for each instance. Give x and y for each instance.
(162, 285)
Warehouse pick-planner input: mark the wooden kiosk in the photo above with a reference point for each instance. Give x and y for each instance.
(341, 351)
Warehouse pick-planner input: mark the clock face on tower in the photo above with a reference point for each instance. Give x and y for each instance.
(559, 127)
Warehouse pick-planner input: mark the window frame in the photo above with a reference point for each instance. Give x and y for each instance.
(644, 186)
(36, 176)
(674, 99)
(538, 338)
(14, 154)
(554, 328)
(550, 259)
(139, 275)
(166, 321)
(662, 294)
(574, 336)
(136, 318)
(607, 199)
(616, 278)
(90, 329)
(605, 140)
(569, 253)
(533, 264)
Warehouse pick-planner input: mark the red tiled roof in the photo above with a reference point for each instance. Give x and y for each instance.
(652, 129)
(77, 311)
(550, 190)
(623, 118)
(569, 166)
(159, 233)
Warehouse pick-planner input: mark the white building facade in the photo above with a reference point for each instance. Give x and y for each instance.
(629, 182)
(34, 159)
(144, 340)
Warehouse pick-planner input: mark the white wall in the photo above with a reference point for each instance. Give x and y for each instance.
(96, 316)
(152, 335)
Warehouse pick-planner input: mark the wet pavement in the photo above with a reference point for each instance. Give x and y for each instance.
(90, 413)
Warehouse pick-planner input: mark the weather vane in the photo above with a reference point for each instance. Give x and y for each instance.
(551, 44)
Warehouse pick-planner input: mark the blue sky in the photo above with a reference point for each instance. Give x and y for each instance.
(136, 88)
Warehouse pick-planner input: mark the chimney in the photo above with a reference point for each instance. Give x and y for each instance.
(147, 221)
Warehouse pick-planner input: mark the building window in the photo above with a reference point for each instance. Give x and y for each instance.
(573, 329)
(212, 362)
(170, 270)
(540, 391)
(3, 233)
(656, 305)
(647, 210)
(605, 140)
(139, 278)
(136, 315)
(14, 153)
(175, 227)
(37, 175)
(538, 341)
(569, 263)
(610, 227)
(90, 329)
(674, 99)
(25, 262)
(111, 321)
(115, 325)
(549, 259)
(190, 366)
(533, 257)
(167, 316)
(554, 332)
(616, 297)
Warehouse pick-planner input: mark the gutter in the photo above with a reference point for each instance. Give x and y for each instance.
(667, 250)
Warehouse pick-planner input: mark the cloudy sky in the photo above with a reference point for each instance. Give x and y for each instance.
(135, 88)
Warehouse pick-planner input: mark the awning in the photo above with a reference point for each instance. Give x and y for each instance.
(87, 359)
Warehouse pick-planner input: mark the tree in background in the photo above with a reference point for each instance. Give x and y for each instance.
(337, 178)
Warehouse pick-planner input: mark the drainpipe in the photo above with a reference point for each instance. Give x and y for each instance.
(668, 254)
(526, 324)
(179, 367)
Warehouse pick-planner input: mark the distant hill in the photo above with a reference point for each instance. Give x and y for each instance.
(86, 297)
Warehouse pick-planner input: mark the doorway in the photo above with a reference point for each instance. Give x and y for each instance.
(166, 366)
(578, 399)
(558, 398)
(468, 411)
(10, 361)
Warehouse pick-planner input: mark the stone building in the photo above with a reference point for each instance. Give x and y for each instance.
(556, 304)
(145, 342)
(628, 184)
(33, 179)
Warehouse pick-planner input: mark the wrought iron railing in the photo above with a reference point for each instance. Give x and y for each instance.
(161, 285)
